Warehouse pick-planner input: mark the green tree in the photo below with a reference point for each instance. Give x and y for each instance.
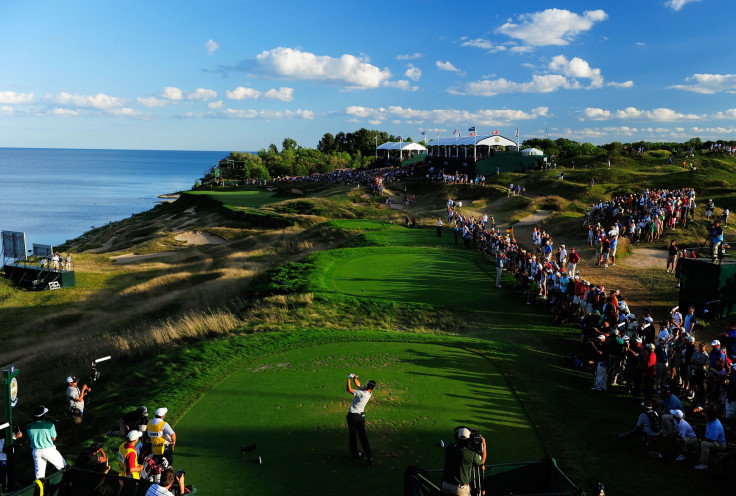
(288, 144)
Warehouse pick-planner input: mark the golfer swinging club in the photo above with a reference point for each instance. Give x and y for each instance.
(356, 417)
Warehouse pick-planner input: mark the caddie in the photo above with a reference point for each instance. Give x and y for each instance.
(163, 437)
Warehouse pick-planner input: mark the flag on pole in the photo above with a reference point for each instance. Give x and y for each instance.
(454, 132)
(472, 131)
(495, 132)
(510, 230)
(517, 132)
(438, 135)
(422, 133)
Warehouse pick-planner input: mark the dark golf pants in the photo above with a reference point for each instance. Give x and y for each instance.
(356, 425)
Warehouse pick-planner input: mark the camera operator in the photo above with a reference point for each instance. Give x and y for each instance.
(75, 397)
(459, 462)
(168, 479)
(716, 237)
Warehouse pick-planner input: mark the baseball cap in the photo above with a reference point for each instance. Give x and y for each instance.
(715, 343)
(40, 411)
(371, 384)
(71, 379)
(143, 410)
(133, 435)
(160, 412)
(650, 346)
(649, 319)
(677, 413)
(463, 433)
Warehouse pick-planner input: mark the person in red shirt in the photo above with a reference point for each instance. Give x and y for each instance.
(649, 371)
(128, 457)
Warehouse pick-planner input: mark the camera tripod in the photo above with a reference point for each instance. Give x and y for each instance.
(715, 256)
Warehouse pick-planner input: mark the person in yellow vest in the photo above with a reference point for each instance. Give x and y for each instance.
(128, 457)
(163, 437)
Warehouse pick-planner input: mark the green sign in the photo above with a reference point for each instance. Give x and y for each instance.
(10, 399)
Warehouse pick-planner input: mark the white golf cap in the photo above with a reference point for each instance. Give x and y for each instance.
(160, 412)
(134, 434)
(71, 379)
(715, 343)
(677, 413)
(463, 433)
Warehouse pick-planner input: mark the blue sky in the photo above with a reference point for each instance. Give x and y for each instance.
(238, 75)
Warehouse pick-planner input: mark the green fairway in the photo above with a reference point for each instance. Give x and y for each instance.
(293, 407)
(243, 198)
(427, 276)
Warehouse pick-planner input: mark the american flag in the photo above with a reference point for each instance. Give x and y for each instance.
(472, 131)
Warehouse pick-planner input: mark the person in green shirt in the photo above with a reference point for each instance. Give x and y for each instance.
(459, 463)
(42, 435)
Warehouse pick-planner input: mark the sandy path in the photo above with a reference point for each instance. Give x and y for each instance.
(106, 246)
(133, 258)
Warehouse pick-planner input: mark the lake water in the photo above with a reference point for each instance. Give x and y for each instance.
(54, 195)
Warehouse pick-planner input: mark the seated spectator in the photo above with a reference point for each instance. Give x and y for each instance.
(647, 425)
(169, 481)
(714, 439)
(133, 420)
(686, 438)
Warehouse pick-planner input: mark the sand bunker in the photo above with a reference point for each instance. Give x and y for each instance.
(200, 238)
(648, 258)
(297, 191)
(106, 246)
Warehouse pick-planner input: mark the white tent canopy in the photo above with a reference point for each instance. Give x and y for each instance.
(404, 146)
(532, 151)
(487, 140)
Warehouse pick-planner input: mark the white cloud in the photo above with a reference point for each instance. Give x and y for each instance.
(576, 68)
(412, 56)
(728, 114)
(152, 101)
(171, 93)
(375, 122)
(551, 26)
(125, 112)
(290, 63)
(625, 84)
(283, 94)
(64, 112)
(482, 43)
(243, 93)
(99, 101)
(678, 4)
(13, 98)
(709, 84)
(211, 46)
(413, 73)
(201, 95)
(401, 84)
(404, 115)
(446, 66)
(632, 113)
(538, 84)
(267, 114)
(215, 105)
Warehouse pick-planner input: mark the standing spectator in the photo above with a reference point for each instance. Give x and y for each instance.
(500, 258)
(671, 256)
(716, 239)
(163, 437)
(75, 398)
(690, 323)
(128, 457)
(724, 216)
(709, 209)
(715, 438)
(4, 457)
(356, 417)
(42, 435)
(573, 264)
(649, 370)
(68, 262)
(698, 366)
(439, 227)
